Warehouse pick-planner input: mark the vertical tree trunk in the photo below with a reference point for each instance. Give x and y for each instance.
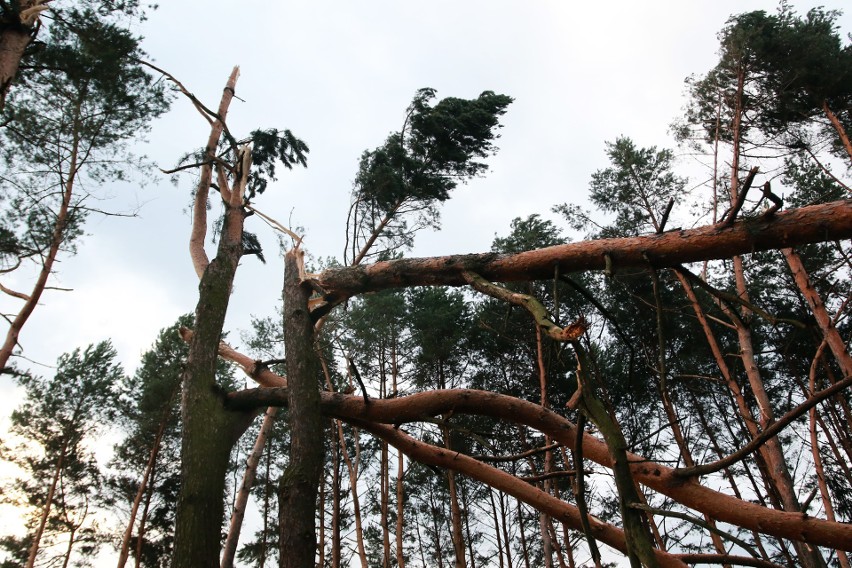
(521, 531)
(321, 514)
(209, 430)
(400, 511)
(48, 501)
(352, 468)
(300, 481)
(124, 551)
(143, 520)
(230, 547)
(455, 510)
(335, 504)
(779, 473)
(497, 534)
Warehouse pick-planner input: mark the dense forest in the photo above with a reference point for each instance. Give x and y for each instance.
(673, 387)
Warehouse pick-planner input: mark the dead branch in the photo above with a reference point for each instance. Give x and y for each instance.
(770, 432)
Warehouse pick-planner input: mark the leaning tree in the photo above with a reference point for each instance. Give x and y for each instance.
(401, 177)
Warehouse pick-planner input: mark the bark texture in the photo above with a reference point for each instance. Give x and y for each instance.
(299, 484)
(658, 477)
(816, 223)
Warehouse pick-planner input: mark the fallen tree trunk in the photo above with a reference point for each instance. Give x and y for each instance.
(721, 507)
(816, 223)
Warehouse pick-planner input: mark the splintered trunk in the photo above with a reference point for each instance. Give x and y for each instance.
(300, 481)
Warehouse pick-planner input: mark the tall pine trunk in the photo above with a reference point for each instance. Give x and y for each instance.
(299, 484)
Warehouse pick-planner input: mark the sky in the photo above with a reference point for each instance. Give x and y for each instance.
(340, 76)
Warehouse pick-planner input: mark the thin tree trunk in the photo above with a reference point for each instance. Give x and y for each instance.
(826, 325)
(353, 487)
(384, 474)
(124, 551)
(46, 508)
(671, 413)
(262, 553)
(335, 490)
(321, 505)
(504, 513)
(835, 122)
(143, 520)
(299, 483)
(230, 548)
(56, 239)
(400, 511)
(469, 539)
(455, 510)
(522, 534)
(728, 475)
(496, 527)
(67, 556)
(818, 469)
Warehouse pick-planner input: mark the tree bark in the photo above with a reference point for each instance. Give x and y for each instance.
(143, 487)
(835, 122)
(815, 223)
(14, 39)
(300, 481)
(209, 429)
(230, 548)
(48, 501)
(662, 479)
(424, 453)
(824, 321)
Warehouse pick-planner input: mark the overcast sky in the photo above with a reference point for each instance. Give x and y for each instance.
(340, 76)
